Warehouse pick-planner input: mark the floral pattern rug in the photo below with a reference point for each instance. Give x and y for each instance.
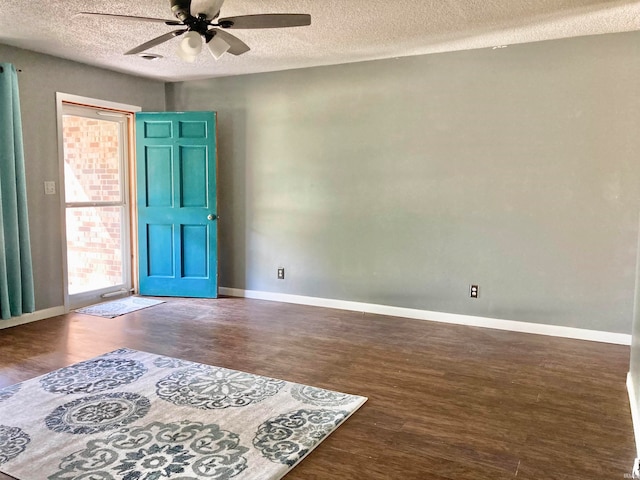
(130, 415)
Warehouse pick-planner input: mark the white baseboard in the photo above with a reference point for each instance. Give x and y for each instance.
(453, 318)
(442, 317)
(635, 414)
(32, 317)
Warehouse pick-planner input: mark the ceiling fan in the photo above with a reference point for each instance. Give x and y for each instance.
(199, 21)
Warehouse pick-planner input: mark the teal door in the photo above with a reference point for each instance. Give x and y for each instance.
(177, 211)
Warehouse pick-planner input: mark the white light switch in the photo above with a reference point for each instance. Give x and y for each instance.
(49, 188)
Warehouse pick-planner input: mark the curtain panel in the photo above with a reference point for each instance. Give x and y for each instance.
(16, 274)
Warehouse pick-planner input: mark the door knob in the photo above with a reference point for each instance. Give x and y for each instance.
(212, 216)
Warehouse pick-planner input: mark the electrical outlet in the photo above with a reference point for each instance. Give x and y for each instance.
(281, 273)
(473, 291)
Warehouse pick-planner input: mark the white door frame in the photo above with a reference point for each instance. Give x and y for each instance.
(64, 98)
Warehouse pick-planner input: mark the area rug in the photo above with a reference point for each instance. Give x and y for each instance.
(130, 415)
(115, 308)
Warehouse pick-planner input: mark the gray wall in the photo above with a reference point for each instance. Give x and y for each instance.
(401, 182)
(42, 76)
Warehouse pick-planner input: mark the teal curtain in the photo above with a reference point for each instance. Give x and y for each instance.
(16, 274)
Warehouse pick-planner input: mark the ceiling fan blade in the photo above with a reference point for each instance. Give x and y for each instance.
(236, 46)
(154, 42)
(129, 17)
(270, 20)
(210, 8)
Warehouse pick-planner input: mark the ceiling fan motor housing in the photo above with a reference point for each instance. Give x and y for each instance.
(180, 9)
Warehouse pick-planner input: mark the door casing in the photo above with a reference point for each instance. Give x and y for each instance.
(107, 106)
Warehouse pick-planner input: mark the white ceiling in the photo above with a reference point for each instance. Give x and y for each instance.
(342, 31)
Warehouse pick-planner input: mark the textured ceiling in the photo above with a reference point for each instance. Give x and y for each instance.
(342, 31)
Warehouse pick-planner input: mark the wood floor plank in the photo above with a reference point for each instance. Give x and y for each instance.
(446, 402)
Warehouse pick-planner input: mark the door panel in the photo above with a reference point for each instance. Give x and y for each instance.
(177, 207)
(194, 241)
(159, 168)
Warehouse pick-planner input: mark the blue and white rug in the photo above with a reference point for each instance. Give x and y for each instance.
(130, 415)
(115, 308)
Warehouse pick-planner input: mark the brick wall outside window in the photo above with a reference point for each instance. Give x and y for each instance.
(92, 174)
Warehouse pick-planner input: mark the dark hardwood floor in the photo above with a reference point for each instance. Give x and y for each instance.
(445, 402)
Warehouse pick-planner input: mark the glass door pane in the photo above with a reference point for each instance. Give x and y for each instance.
(92, 164)
(94, 248)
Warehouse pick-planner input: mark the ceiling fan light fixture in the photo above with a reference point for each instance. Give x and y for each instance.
(191, 44)
(218, 47)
